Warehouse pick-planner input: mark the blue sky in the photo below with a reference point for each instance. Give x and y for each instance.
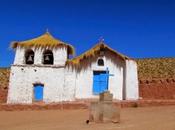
(137, 28)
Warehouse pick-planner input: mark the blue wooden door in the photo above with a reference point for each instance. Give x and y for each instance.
(100, 82)
(103, 82)
(38, 92)
(96, 83)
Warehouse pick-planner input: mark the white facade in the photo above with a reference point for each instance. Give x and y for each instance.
(62, 83)
(84, 80)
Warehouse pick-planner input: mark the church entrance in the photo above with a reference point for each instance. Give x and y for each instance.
(100, 81)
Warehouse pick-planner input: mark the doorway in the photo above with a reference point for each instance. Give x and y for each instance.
(100, 82)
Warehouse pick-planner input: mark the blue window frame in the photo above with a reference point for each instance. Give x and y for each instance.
(38, 92)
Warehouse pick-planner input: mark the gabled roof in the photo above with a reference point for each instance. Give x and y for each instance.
(91, 55)
(45, 40)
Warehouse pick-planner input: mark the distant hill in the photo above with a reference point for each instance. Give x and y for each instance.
(4, 77)
(148, 68)
(153, 68)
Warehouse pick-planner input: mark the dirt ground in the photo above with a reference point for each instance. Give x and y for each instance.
(143, 118)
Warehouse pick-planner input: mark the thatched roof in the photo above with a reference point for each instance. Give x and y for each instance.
(91, 55)
(45, 40)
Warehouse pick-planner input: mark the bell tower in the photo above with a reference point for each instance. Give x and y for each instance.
(38, 71)
(43, 50)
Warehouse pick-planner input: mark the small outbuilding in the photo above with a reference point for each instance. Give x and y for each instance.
(42, 71)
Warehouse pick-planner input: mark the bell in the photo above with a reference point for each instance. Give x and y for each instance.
(29, 58)
(47, 58)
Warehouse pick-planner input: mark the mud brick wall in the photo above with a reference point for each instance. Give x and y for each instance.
(3, 95)
(157, 89)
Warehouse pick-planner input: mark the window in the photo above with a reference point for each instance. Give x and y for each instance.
(48, 57)
(29, 57)
(38, 92)
(100, 62)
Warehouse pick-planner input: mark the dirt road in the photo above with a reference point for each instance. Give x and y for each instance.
(148, 118)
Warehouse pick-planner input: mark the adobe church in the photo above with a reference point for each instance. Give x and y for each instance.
(43, 72)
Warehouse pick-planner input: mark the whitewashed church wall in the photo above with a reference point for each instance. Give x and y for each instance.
(38, 56)
(23, 78)
(84, 80)
(19, 56)
(65, 84)
(69, 85)
(60, 56)
(131, 81)
(115, 81)
(19, 90)
(84, 84)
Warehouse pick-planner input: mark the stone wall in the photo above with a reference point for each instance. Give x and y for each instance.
(157, 89)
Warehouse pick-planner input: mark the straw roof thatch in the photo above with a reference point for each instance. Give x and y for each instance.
(45, 40)
(100, 49)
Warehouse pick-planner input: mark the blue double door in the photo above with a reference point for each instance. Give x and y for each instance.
(100, 82)
(38, 92)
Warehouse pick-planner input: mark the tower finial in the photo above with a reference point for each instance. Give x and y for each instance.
(101, 39)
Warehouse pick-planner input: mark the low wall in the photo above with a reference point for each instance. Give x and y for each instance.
(157, 89)
(83, 105)
(3, 95)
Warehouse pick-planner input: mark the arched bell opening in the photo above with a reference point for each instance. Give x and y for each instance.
(29, 57)
(48, 58)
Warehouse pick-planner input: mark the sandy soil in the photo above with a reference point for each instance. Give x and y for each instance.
(148, 118)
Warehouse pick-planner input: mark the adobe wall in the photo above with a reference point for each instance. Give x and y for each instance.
(157, 89)
(3, 95)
